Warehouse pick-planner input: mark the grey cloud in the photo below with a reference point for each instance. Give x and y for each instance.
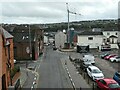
(56, 11)
(32, 10)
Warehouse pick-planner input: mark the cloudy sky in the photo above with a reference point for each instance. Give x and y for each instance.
(54, 11)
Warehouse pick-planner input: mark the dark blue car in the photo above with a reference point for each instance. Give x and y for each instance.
(116, 77)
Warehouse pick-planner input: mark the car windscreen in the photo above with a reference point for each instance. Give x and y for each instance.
(118, 75)
(96, 71)
(113, 85)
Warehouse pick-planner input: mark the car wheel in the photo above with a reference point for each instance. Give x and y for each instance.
(112, 61)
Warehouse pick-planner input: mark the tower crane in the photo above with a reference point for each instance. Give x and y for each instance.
(68, 11)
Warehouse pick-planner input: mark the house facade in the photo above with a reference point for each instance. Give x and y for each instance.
(6, 60)
(93, 39)
(60, 39)
(28, 42)
(111, 37)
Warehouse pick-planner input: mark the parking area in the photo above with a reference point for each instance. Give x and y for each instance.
(108, 68)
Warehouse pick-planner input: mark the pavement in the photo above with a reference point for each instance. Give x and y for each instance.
(28, 75)
(23, 76)
(76, 79)
(67, 50)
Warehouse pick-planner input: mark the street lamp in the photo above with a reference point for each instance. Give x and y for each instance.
(30, 42)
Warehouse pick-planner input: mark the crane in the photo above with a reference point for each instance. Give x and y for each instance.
(68, 11)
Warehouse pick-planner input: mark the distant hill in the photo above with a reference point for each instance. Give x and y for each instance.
(77, 25)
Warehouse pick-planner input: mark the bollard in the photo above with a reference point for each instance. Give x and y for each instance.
(93, 86)
(88, 80)
(84, 75)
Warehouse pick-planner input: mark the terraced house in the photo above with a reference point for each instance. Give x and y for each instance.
(8, 75)
(28, 42)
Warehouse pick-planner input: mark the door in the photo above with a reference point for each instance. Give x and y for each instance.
(3, 82)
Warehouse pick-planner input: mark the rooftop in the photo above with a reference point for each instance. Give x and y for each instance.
(90, 33)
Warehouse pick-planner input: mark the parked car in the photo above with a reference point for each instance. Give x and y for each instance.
(115, 59)
(107, 84)
(54, 48)
(89, 59)
(84, 65)
(104, 55)
(109, 56)
(116, 77)
(94, 72)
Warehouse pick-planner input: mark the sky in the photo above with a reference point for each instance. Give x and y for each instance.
(55, 11)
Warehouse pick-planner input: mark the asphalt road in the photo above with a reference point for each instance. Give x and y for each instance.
(52, 74)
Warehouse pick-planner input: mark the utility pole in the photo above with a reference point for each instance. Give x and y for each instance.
(30, 43)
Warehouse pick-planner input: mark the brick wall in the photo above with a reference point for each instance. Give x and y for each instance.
(0, 61)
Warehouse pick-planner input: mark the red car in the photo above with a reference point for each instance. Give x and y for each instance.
(107, 84)
(109, 56)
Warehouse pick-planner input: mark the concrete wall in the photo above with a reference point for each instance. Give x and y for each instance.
(107, 34)
(60, 39)
(97, 40)
(0, 61)
(113, 43)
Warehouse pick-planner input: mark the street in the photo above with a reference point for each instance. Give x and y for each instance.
(51, 71)
(52, 74)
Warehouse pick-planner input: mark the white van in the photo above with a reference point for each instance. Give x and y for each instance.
(89, 59)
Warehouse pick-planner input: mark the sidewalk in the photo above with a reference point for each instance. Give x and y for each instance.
(27, 75)
(67, 50)
(23, 76)
(76, 78)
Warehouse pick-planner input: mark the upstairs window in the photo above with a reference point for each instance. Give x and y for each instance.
(108, 33)
(90, 38)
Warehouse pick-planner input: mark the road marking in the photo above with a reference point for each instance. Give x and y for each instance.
(77, 72)
(38, 66)
(34, 83)
(32, 87)
(35, 78)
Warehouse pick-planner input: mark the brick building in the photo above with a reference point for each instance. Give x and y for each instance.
(6, 59)
(28, 42)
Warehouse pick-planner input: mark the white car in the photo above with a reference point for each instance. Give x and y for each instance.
(89, 59)
(95, 73)
(115, 59)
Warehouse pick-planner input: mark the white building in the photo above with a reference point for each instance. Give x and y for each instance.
(60, 39)
(93, 39)
(46, 39)
(111, 37)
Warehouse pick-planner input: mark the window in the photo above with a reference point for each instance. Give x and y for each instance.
(89, 69)
(108, 33)
(102, 81)
(90, 38)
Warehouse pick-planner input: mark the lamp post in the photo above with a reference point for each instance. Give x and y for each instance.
(30, 42)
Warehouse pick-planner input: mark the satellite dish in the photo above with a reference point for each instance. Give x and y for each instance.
(72, 29)
(64, 31)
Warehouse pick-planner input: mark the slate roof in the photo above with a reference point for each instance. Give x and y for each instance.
(90, 33)
(23, 37)
(110, 30)
(5, 33)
